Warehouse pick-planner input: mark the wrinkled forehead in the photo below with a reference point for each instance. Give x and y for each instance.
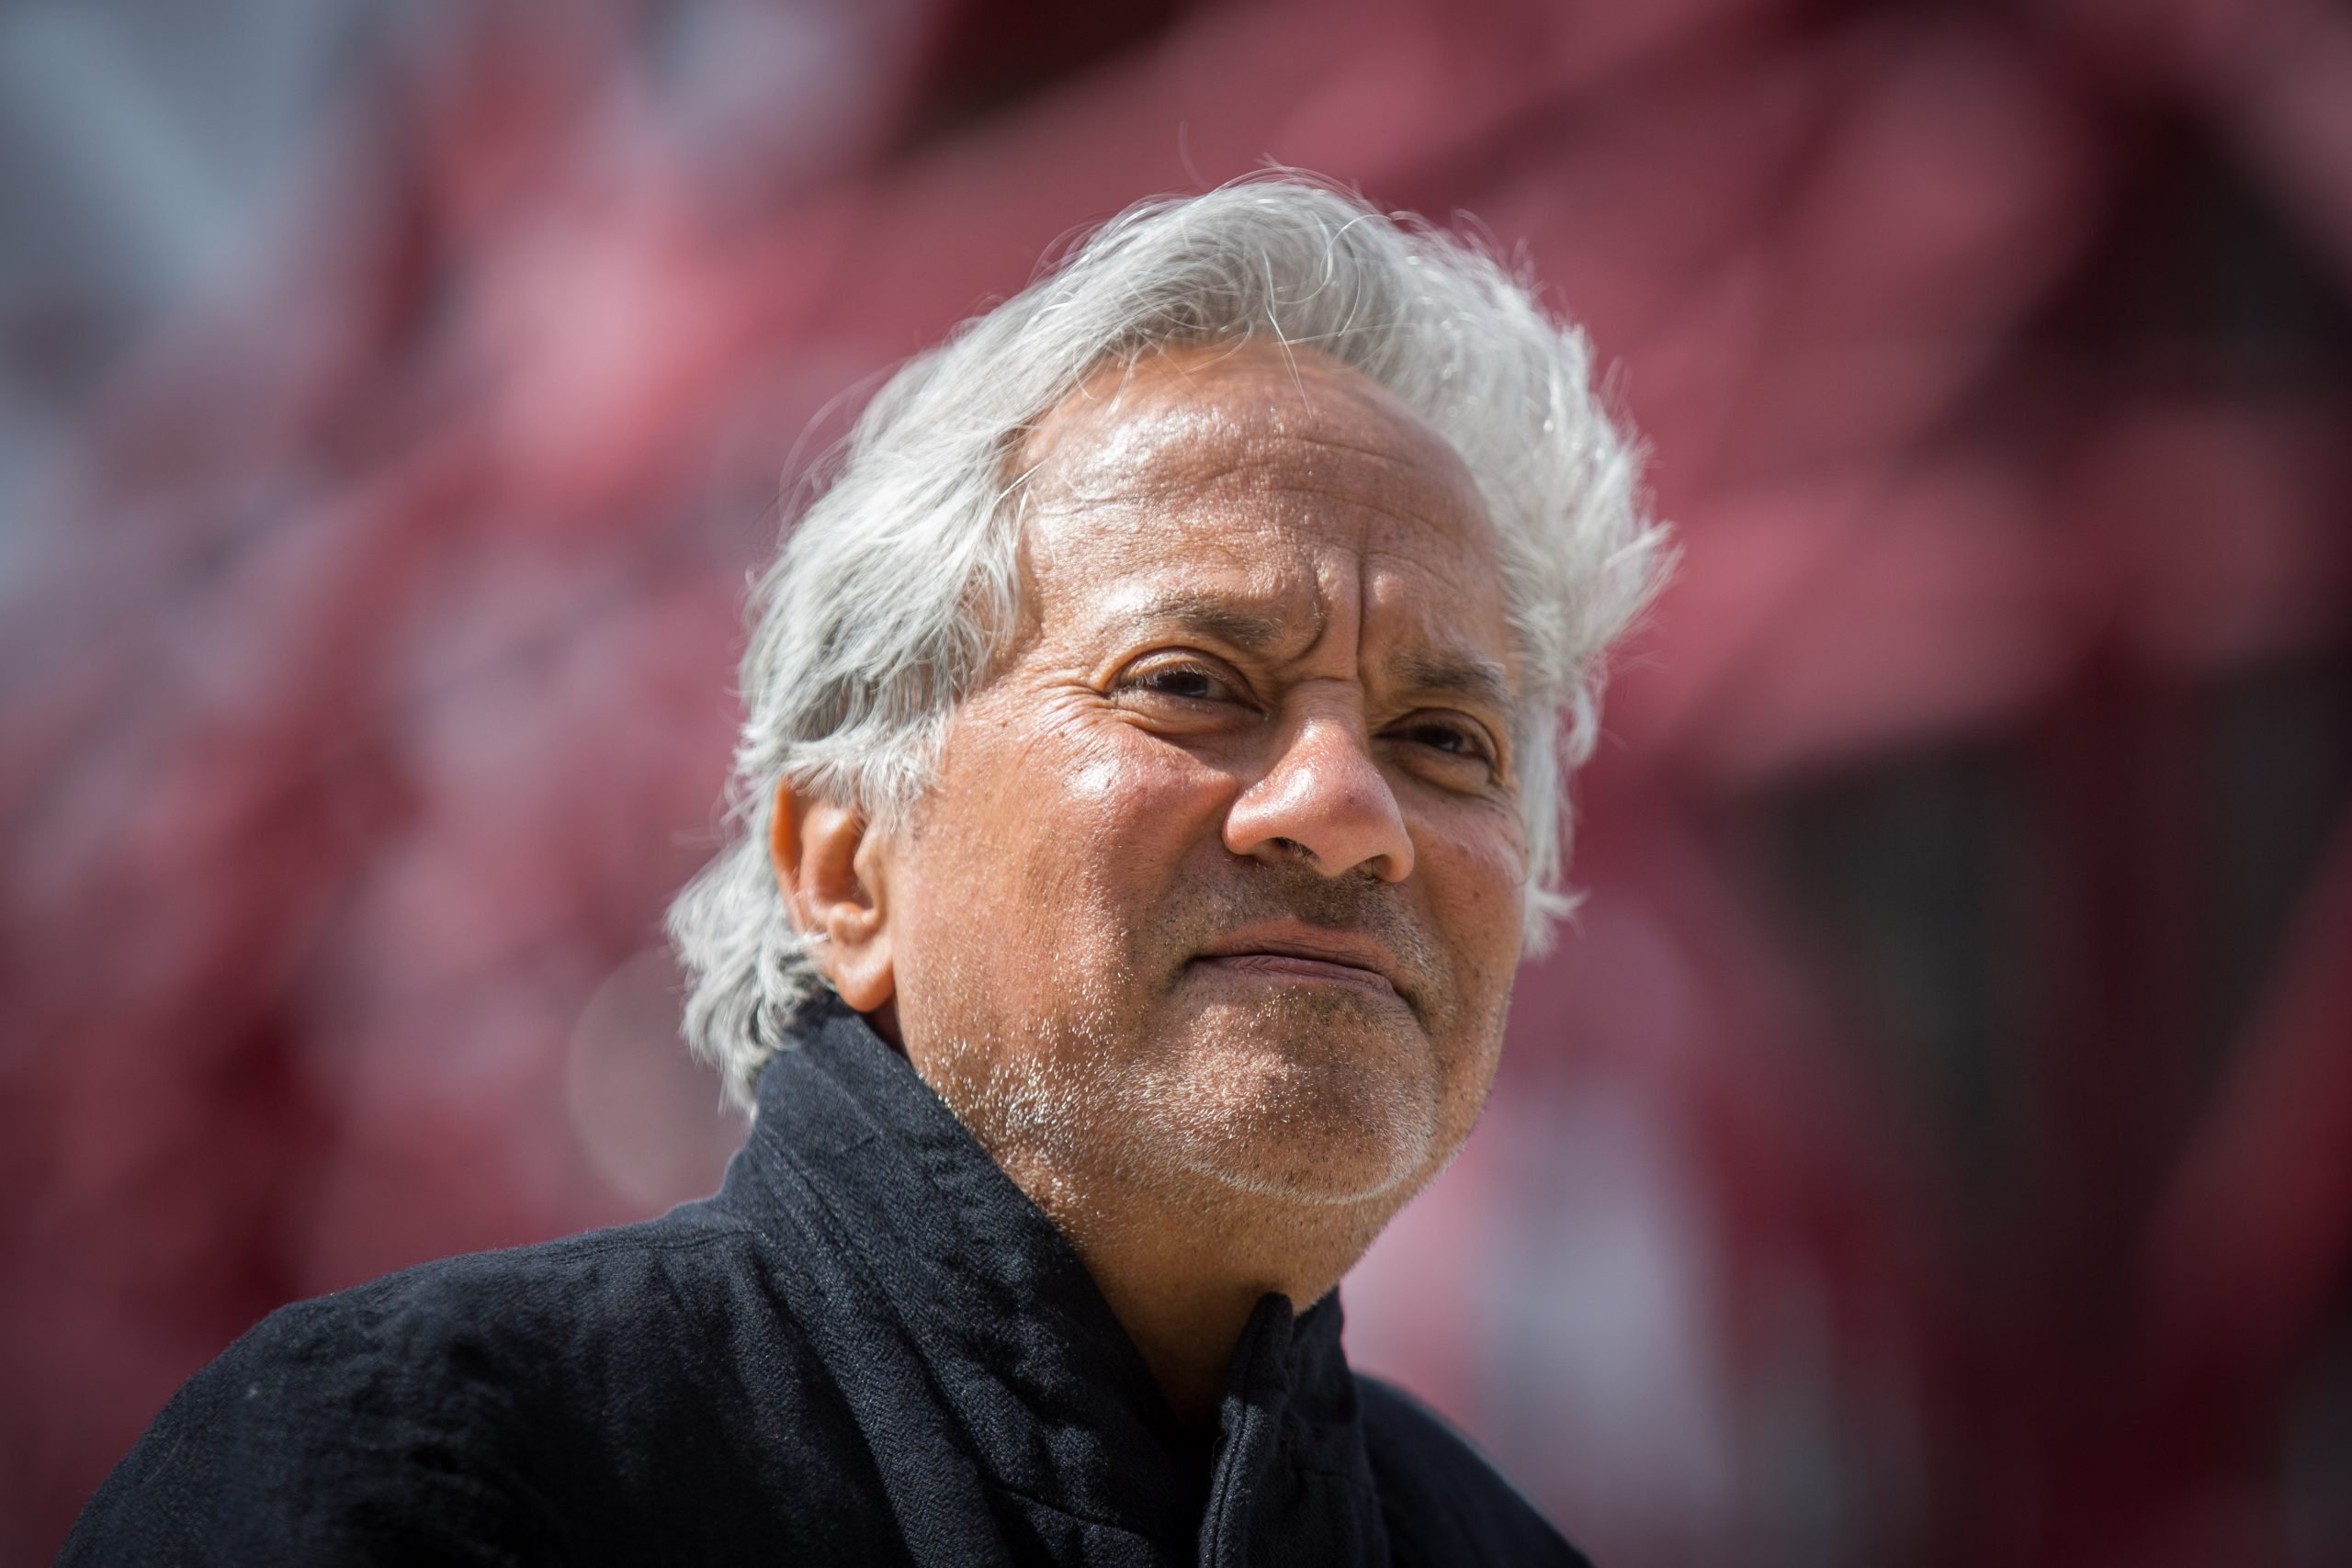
(1229, 421)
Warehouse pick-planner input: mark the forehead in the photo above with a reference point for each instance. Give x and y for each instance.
(1269, 475)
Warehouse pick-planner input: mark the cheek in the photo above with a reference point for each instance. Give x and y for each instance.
(1477, 879)
(1071, 837)
(1118, 816)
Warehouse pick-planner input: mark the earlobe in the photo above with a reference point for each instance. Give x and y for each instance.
(834, 875)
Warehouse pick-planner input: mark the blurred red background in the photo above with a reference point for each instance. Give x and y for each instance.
(1931, 1144)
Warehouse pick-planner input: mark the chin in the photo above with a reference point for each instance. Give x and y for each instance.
(1319, 1110)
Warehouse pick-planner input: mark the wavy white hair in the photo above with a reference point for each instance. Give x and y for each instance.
(890, 599)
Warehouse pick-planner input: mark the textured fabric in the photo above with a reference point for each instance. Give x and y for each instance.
(869, 1346)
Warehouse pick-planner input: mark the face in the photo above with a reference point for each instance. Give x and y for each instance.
(1220, 880)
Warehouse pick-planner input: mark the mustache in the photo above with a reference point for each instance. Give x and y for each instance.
(1199, 912)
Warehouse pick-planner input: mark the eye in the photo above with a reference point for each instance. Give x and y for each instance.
(1182, 681)
(1444, 737)
(1186, 679)
(1449, 737)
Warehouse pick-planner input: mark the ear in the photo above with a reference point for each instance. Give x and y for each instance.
(834, 876)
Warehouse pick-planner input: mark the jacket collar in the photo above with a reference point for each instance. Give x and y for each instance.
(1055, 1399)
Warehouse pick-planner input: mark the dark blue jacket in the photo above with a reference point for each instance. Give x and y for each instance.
(869, 1346)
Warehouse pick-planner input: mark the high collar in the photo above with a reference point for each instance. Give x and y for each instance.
(1056, 1400)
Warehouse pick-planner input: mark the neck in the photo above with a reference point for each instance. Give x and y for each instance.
(1183, 1276)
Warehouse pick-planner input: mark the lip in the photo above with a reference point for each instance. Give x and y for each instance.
(1293, 950)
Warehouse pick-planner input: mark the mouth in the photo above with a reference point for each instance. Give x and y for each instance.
(1297, 953)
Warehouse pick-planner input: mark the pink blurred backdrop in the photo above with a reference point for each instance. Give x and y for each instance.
(1933, 1143)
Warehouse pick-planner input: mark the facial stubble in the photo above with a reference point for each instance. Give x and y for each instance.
(1154, 1085)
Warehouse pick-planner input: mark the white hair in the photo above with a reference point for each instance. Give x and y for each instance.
(890, 598)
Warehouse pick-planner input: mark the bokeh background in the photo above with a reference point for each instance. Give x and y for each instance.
(1933, 1143)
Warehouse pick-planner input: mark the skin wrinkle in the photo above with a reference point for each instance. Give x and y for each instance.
(1312, 491)
(1112, 464)
(1204, 1133)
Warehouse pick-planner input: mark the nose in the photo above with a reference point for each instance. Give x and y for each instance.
(1324, 800)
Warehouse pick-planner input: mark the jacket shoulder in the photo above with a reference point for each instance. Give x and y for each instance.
(571, 1320)
(463, 1410)
(1442, 1500)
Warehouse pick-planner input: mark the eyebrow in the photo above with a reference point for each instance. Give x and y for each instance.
(1252, 631)
(1469, 677)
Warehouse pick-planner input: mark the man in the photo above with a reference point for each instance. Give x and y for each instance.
(1151, 777)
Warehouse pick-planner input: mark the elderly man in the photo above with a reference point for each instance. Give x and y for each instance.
(1151, 780)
